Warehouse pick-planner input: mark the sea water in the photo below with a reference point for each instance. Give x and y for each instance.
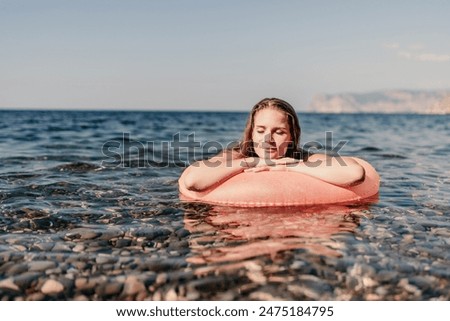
(89, 200)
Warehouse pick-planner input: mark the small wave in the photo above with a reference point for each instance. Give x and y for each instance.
(59, 146)
(442, 150)
(78, 167)
(393, 156)
(52, 128)
(370, 149)
(14, 176)
(128, 122)
(13, 160)
(48, 190)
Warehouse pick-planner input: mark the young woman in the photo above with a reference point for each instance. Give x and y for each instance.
(270, 143)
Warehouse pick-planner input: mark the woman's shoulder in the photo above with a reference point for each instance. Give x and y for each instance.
(233, 153)
(332, 159)
(226, 154)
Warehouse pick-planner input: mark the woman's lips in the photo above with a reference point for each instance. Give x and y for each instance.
(268, 146)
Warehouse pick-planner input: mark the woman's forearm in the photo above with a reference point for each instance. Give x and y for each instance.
(343, 171)
(205, 174)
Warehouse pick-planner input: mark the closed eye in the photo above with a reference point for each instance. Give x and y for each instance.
(262, 130)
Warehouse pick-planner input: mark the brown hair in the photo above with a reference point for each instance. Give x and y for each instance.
(246, 149)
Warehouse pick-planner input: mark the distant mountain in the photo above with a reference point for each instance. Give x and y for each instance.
(389, 101)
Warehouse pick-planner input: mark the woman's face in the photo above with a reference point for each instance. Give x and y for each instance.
(271, 133)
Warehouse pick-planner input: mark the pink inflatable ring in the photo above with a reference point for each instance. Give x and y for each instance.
(277, 188)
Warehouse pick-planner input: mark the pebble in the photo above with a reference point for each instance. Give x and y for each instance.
(368, 282)
(441, 231)
(82, 234)
(6, 266)
(14, 268)
(25, 280)
(387, 276)
(404, 283)
(423, 282)
(103, 259)
(112, 289)
(120, 243)
(157, 296)
(381, 291)
(79, 265)
(226, 296)
(111, 233)
(373, 297)
(171, 295)
(257, 277)
(52, 287)
(39, 266)
(264, 296)
(133, 286)
(405, 268)
(83, 283)
(193, 295)
(45, 247)
(61, 247)
(20, 248)
(297, 265)
(150, 233)
(78, 248)
(161, 278)
(300, 291)
(9, 284)
(408, 239)
(36, 296)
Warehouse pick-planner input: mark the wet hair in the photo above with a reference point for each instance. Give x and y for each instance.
(246, 148)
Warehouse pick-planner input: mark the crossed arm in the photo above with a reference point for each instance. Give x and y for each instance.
(341, 171)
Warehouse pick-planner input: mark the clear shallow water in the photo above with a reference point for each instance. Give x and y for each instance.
(103, 231)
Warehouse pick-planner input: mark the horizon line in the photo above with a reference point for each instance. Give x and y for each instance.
(205, 110)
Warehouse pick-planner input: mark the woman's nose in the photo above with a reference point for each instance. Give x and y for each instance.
(268, 138)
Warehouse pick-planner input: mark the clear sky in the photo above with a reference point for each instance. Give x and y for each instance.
(215, 54)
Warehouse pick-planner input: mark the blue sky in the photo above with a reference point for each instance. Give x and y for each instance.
(215, 55)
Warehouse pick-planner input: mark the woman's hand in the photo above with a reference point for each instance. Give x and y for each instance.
(341, 172)
(284, 161)
(280, 164)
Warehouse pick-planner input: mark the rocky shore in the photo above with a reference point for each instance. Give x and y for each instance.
(388, 101)
(156, 261)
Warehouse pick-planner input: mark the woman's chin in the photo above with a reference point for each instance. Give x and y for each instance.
(269, 155)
